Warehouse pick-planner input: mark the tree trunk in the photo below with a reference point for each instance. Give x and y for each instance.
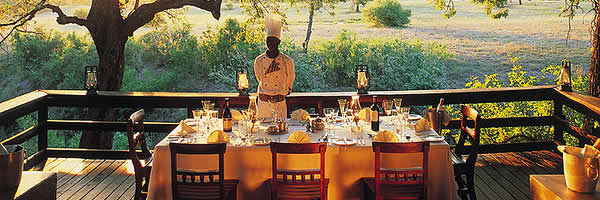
(357, 7)
(105, 26)
(594, 77)
(311, 13)
(520, 3)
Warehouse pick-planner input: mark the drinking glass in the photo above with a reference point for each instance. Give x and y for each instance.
(397, 103)
(328, 116)
(197, 117)
(205, 105)
(343, 103)
(387, 106)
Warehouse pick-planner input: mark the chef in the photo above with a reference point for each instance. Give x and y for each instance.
(274, 72)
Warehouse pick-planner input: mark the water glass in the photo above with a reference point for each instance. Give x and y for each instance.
(343, 103)
(397, 103)
(328, 116)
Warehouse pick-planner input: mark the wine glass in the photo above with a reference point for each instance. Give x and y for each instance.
(397, 103)
(387, 106)
(197, 117)
(328, 116)
(343, 103)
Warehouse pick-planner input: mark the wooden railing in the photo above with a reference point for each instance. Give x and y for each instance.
(41, 100)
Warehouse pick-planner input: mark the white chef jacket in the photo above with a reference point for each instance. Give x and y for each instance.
(275, 77)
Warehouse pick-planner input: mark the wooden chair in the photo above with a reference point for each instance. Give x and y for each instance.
(285, 183)
(192, 184)
(137, 139)
(410, 183)
(464, 166)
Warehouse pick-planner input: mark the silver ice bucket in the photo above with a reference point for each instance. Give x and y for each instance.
(581, 173)
(11, 168)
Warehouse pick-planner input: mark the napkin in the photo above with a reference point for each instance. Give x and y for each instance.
(385, 136)
(236, 115)
(184, 128)
(301, 115)
(217, 136)
(422, 125)
(299, 137)
(365, 114)
(588, 152)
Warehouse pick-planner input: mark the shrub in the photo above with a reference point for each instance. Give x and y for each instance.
(387, 13)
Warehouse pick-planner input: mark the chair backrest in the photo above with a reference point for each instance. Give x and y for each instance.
(308, 176)
(193, 183)
(471, 134)
(400, 177)
(137, 139)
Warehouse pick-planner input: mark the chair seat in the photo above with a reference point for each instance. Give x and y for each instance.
(395, 191)
(457, 159)
(300, 191)
(206, 191)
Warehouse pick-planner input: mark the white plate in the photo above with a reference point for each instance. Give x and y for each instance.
(261, 141)
(345, 142)
(414, 117)
(434, 138)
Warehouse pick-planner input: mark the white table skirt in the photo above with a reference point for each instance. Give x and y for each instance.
(344, 166)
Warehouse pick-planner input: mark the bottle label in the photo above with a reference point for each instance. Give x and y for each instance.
(374, 115)
(227, 124)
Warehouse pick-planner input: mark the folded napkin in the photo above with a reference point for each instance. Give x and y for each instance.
(446, 116)
(299, 137)
(217, 136)
(184, 129)
(301, 115)
(365, 114)
(385, 136)
(236, 115)
(422, 125)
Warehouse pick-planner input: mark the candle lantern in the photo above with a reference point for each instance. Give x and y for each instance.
(565, 76)
(362, 78)
(242, 82)
(91, 82)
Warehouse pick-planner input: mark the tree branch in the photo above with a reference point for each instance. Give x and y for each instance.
(145, 13)
(64, 19)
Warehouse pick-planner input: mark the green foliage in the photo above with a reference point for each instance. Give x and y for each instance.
(519, 78)
(386, 13)
(396, 64)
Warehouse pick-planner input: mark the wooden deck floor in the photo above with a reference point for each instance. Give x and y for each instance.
(498, 176)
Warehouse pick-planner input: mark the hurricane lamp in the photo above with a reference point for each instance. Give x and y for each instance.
(362, 78)
(91, 82)
(242, 83)
(565, 76)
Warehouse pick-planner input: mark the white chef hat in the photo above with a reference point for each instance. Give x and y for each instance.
(273, 25)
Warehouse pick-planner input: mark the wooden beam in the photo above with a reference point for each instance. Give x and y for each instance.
(585, 104)
(575, 131)
(20, 106)
(77, 98)
(89, 153)
(107, 125)
(506, 122)
(35, 160)
(514, 147)
(24, 135)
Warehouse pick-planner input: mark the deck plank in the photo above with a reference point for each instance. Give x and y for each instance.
(497, 176)
(105, 188)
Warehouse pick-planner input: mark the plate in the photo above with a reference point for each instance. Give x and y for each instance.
(345, 142)
(261, 141)
(414, 117)
(434, 138)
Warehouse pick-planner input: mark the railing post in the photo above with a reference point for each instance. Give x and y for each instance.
(42, 120)
(558, 114)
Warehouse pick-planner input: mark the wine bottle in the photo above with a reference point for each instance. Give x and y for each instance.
(227, 121)
(439, 106)
(375, 115)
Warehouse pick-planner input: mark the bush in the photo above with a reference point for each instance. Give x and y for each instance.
(386, 13)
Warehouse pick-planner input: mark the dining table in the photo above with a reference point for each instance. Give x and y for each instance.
(349, 157)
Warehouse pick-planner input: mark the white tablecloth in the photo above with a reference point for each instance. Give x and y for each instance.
(344, 167)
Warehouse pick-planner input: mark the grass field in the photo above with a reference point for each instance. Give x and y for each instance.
(534, 32)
